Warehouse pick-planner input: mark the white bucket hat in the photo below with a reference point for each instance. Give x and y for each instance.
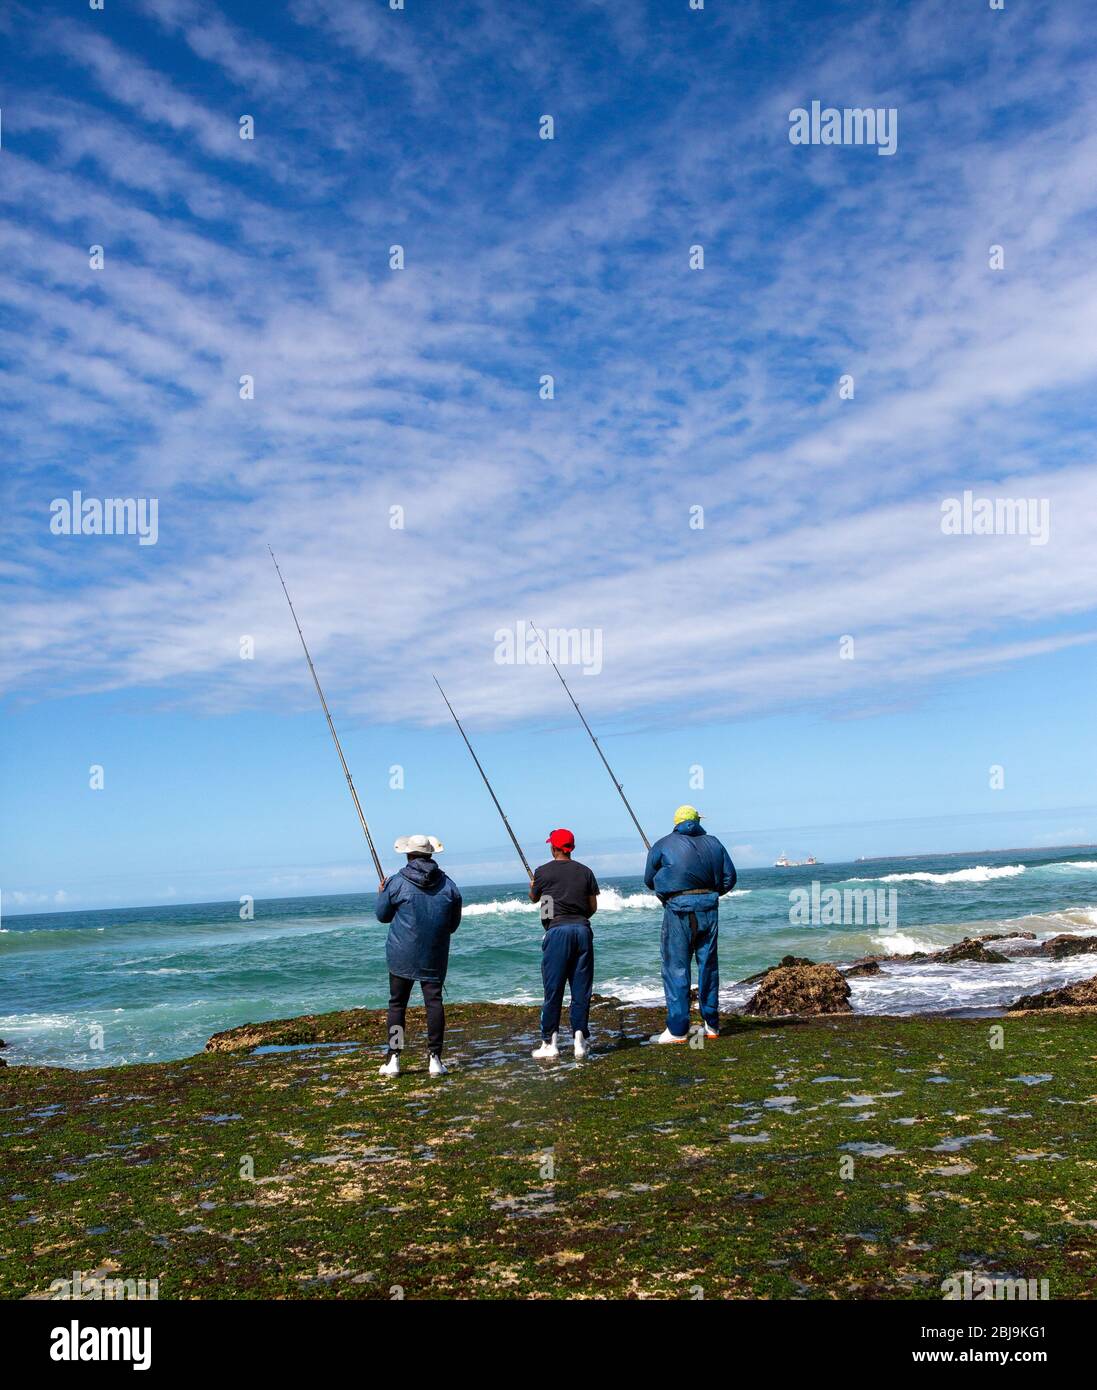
(418, 844)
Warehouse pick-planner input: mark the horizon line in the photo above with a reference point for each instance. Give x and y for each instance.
(609, 878)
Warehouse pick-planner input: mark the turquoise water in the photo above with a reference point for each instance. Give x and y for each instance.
(158, 981)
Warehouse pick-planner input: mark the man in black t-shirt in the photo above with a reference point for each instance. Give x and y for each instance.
(568, 893)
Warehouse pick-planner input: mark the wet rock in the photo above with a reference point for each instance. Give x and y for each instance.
(801, 989)
(970, 949)
(358, 1025)
(2, 1043)
(784, 963)
(1067, 945)
(1081, 994)
(1006, 936)
(241, 1039)
(862, 967)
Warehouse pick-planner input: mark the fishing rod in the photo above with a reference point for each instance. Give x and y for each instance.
(331, 726)
(598, 746)
(483, 774)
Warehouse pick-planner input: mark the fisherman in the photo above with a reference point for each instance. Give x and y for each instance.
(424, 906)
(689, 870)
(568, 893)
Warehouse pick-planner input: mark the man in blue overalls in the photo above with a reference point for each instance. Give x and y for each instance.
(689, 870)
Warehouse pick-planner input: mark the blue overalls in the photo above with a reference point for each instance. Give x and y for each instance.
(690, 870)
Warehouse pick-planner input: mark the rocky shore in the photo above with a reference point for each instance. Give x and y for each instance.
(838, 1156)
(798, 987)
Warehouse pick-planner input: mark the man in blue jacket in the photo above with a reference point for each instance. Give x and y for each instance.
(424, 907)
(689, 870)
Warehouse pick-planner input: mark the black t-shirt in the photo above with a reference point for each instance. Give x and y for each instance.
(570, 885)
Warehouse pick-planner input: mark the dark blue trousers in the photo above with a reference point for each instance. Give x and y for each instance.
(567, 958)
(691, 927)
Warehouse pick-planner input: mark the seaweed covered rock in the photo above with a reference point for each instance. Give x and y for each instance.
(783, 963)
(801, 989)
(1081, 994)
(340, 1026)
(1069, 945)
(970, 949)
(862, 967)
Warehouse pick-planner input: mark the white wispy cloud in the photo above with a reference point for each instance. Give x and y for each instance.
(419, 388)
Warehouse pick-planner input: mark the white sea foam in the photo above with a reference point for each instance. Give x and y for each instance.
(609, 900)
(645, 992)
(981, 873)
(899, 944)
(497, 905)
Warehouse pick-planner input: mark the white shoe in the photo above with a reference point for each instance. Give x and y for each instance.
(666, 1036)
(392, 1066)
(711, 1032)
(582, 1047)
(547, 1049)
(437, 1067)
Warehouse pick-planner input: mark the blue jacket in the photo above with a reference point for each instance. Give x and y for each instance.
(689, 858)
(424, 907)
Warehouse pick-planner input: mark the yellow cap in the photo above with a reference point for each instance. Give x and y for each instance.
(685, 813)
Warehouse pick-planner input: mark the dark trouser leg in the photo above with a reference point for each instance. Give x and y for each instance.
(581, 979)
(554, 975)
(436, 1015)
(708, 974)
(399, 994)
(676, 971)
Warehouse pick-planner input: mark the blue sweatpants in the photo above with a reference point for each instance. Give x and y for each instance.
(567, 958)
(691, 925)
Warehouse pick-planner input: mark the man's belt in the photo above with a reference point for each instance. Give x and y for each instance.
(664, 898)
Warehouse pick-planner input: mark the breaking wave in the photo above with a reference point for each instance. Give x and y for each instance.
(609, 900)
(981, 873)
(899, 944)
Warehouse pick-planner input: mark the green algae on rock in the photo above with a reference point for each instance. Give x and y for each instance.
(783, 1160)
(1082, 994)
(801, 989)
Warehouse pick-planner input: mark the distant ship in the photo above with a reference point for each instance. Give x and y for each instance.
(784, 862)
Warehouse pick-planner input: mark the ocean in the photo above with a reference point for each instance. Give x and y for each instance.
(117, 986)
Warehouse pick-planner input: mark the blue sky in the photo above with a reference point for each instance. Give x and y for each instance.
(419, 389)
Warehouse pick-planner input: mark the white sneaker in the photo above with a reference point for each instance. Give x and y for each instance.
(437, 1067)
(547, 1049)
(582, 1047)
(392, 1066)
(666, 1036)
(711, 1032)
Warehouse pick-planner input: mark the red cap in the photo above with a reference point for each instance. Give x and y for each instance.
(561, 839)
